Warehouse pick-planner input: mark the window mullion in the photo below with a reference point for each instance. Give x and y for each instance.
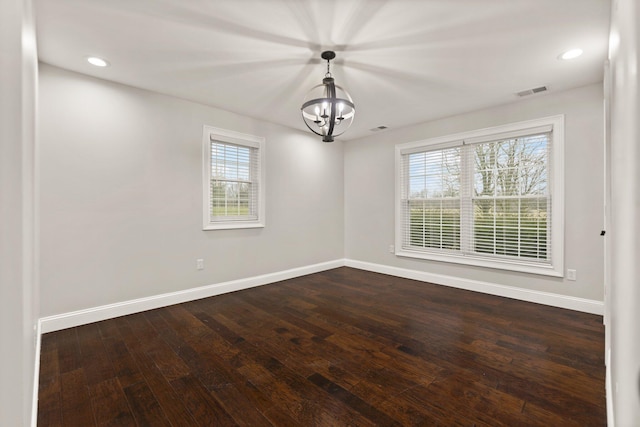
(520, 226)
(466, 203)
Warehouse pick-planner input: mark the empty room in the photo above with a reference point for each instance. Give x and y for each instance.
(320, 213)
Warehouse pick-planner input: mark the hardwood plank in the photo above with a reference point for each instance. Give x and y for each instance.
(305, 361)
(49, 389)
(446, 413)
(144, 406)
(94, 360)
(148, 373)
(286, 387)
(75, 399)
(69, 358)
(561, 402)
(109, 329)
(534, 415)
(123, 364)
(477, 401)
(202, 405)
(367, 410)
(307, 405)
(170, 365)
(110, 405)
(229, 390)
(236, 394)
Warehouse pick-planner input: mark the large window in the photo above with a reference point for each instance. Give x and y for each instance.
(233, 175)
(490, 198)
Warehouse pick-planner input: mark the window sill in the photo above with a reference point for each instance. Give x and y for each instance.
(232, 226)
(476, 261)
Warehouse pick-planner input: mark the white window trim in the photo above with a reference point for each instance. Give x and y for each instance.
(556, 268)
(212, 133)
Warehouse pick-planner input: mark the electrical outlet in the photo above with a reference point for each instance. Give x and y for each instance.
(571, 274)
(392, 249)
(200, 264)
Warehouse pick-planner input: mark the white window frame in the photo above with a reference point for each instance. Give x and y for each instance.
(556, 188)
(211, 134)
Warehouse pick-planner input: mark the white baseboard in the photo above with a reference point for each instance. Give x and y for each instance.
(36, 376)
(546, 298)
(608, 389)
(96, 314)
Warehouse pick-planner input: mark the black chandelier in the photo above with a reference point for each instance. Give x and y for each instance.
(328, 109)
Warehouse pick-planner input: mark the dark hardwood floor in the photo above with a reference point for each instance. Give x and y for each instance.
(339, 348)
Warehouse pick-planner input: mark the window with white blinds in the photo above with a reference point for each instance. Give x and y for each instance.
(233, 176)
(490, 198)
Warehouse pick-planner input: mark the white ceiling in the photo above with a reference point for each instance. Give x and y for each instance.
(402, 61)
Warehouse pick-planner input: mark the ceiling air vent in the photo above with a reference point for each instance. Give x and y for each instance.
(378, 129)
(532, 91)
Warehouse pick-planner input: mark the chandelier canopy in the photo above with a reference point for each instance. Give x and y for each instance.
(328, 109)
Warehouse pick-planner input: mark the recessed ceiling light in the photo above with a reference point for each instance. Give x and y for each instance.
(98, 62)
(570, 54)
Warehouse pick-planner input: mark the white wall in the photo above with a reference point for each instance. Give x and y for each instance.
(369, 192)
(121, 196)
(623, 329)
(18, 229)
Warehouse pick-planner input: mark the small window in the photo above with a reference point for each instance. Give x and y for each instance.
(491, 197)
(233, 175)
